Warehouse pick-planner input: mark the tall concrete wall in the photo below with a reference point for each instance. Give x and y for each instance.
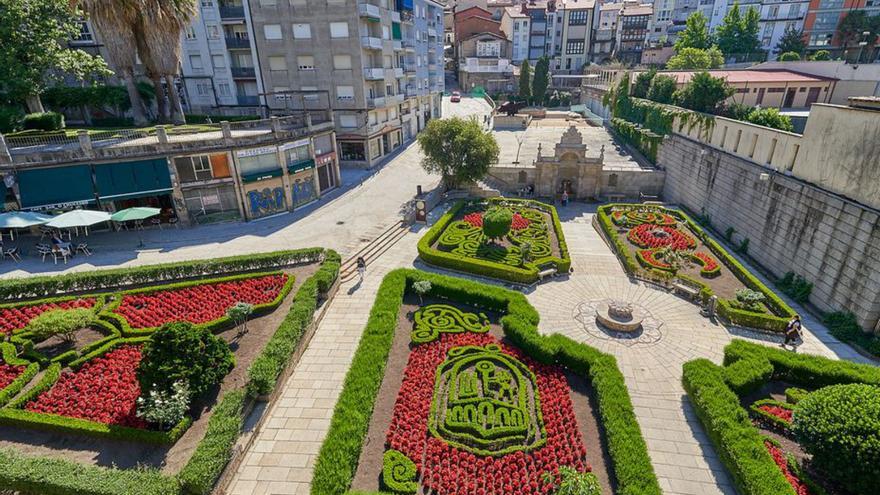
(791, 225)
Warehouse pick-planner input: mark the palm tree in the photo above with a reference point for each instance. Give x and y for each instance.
(114, 19)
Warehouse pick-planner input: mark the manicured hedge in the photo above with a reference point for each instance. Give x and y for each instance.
(8, 353)
(526, 274)
(338, 458)
(42, 286)
(645, 140)
(775, 322)
(714, 392)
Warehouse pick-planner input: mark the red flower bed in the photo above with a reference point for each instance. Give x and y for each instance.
(199, 303)
(105, 390)
(709, 264)
(476, 220)
(650, 257)
(779, 457)
(657, 236)
(448, 470)
(12, 319)
(9, 373)
(780, 412)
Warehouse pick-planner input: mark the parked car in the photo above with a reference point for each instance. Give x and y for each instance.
(456, 97)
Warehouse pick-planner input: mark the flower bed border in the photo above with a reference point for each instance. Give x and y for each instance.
(773, 422)
(763, 321)
(10, 357)
(713, 391)
(527, 274)
(337, 461)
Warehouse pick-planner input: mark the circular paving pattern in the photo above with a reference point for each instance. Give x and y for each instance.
(649, 333)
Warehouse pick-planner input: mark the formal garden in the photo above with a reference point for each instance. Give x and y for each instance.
(118, 381)
(665, 246)
(515, 240)
(453, 391)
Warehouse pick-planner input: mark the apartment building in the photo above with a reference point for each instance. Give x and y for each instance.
(822, 18)
(574, 28)
(378, 64)
(515, 25)
(632, 30)
(776, 17)
(605, 29)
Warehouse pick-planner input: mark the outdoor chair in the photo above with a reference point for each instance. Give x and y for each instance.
(83, 248)
(11, 253)
(173, 221)
(156, 222)
(45, 232)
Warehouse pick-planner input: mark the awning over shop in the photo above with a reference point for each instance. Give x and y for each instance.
(129, 180)
(59, 187)
(300, 166)
(258, 176)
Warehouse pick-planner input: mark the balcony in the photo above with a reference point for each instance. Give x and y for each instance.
(397, 72)
(370, 11)
(395, 16)
(474, 65)
(244, 72)
(432, 33)
(411, 91)
(410, 68)
(374, 73)
(394, 99)
(371, 43)
(396, 45)
(248, 99)
(377, 102)
(432, 66)
(233, 43)
(231, 11)
(409, 44)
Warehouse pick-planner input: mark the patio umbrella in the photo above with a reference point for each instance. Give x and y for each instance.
(21, 220)
(78, 218)
(136, 213)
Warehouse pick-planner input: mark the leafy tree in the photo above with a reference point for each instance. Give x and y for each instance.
(34, 52)
(850, 29)
(239, 314)
(737, 111)
(662, 88)
(458, 149)
(572, 482)
(696, 33)
(541, 81)
(496, 222)
(789, 57)
(617, 98)
(696, 59)
(738, 35)
(821, 55)
(770, 117)
(750, 42)
(63, 323)
(643, 83)
(525, 83)
(182, 352)
(703, 93)
(792, 41)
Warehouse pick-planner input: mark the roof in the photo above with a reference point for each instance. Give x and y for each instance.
(514, 12)
(751, 76)
(576, 4)
(611, 6)
(486, 33)
(638, 10)
(474, 11)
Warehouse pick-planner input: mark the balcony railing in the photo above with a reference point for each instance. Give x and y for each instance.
(232, 12)
(374, 73)
(369, 11)
(394, 99)
(247, 72)
(398, 72)
(232, 42)
(371, 42)
(377, 102)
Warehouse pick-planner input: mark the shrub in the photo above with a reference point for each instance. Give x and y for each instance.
(845, 327)
(789, 57)
(10, 119)
(181, 351)
(750, 299)
(821, 55)
(163, 407)
(793, 395)
(421, 287)
(61, 322)
(46, 121)
(239, 313)
(840, 426)
(572, 482)
(796, 287)
(496, 222)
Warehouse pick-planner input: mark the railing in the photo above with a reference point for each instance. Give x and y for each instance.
(369, 10)
(122, 136)
(374, 73)
(231, 12)
(244, 72)
(233, 42)
(371, 42)
(15, 143)
(377, 102)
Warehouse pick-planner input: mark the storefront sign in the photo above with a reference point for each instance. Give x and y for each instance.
(295, 144)
(255, 151)
(266, 201)
(326, 158)
(59, 206)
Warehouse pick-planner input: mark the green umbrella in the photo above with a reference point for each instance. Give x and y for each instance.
(136, 213)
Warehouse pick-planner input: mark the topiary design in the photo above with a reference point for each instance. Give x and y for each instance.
(496, 222)
(840, 426)
(435, 319)
(399, 472)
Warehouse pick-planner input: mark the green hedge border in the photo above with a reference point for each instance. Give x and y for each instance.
(11, 358)
(714, 392)
(770, 420)
(526, 275)
(337, 461)
(762, 321)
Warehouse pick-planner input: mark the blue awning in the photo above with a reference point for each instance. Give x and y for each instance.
(59, 187)
(129, 180)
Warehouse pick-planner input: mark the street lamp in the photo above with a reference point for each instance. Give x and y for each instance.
(862, 45)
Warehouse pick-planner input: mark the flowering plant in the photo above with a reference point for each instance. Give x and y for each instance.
(711, 268)
(476, 220)
(18, 317)
(9, 373)
(653, 236)
(781, 460)
(165, 408)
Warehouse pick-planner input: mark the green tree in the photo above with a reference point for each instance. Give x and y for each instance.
(728, 33)
(821, 55)
(750, 42)
(662, 88)
(496, 222)
(541, 81)
(738, 34)
(617, 98)
(525, 83)
(852, 27)
(457, 149)
(792, 41)
(703, 93)
(643, 83)
(34, 53)
(770, 117)
(696, 59)
(696, 33)
(789, 57)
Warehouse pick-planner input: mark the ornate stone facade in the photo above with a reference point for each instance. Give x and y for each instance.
(569, 169)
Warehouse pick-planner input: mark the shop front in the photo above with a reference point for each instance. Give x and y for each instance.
(59, 188)
(328, 171)
(138, 183)
(207, 187)
(301, 170)
(261, 181)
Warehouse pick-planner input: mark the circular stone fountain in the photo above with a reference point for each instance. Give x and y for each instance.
(620, 316)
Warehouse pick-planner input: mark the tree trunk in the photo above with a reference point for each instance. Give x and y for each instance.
(34, 103)
(162, 114)
(137, 104)
(174, 99)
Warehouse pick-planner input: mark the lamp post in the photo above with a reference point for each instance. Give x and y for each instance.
(862, 45)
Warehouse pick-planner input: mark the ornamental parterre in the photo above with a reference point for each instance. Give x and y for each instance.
(476, 416)
(12, 319)
(465, 237)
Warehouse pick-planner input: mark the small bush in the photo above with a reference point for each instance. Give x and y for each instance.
(750, 300)
(46, 121)
(840, 426)
(821, 55)
(181, 351)
(572, 482)
(796, 287)
(789, 57)
(10, 119)
(496, 222)
(163, 408)
(61, 322)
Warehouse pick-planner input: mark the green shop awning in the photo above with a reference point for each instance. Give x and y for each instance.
(258, 176)
(128, 180)
(300, 166)
(47, 188)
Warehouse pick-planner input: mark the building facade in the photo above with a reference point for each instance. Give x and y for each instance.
(515, 25)
(632, 31)
(820, 26)
(605, 29)
(574, 24)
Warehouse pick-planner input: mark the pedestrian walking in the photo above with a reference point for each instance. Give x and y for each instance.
(362, 267)
(792, 331)
(564, 198)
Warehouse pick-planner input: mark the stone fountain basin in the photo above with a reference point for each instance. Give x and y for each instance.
(617, 323)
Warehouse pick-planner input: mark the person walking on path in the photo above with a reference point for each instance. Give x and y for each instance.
(564, 198)
(792, 332)
(362, 267)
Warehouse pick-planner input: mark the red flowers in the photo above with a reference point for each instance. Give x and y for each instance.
(652, 236)
(650, 257)
(780, 412)
(9, 373)
(448, 470)
(12, 319)
(779, 457)
(105, 390)
(710, 266)
(199, 303)
(476, 220)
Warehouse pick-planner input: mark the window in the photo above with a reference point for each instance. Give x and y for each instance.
(190, 33)
(278, 63)
(207, 3)
(272, 31)
(195, 61)
(577, 18)
(339, 30)
(213, 31)
(342, 62)
(488, 48)
(302, 31)
(219, 61)
(85, 33)
(202, 165)
(305, 62)
(776, 90)
(203, 88)
(774, 11)
(282, 93)
(574, 47)
(224, 89)
(310, 96)
(345, 92)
